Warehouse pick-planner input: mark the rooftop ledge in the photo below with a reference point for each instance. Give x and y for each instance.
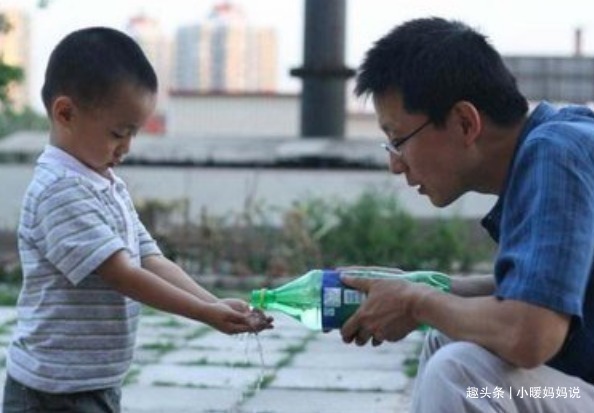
(227, 152)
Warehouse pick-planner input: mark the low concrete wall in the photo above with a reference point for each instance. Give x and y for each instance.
(223, 191)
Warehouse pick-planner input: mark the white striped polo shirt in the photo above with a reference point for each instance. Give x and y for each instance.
(74, 333)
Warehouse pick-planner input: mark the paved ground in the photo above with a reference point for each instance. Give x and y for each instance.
(186, 367)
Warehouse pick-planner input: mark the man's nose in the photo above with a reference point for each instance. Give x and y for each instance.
(397, 166)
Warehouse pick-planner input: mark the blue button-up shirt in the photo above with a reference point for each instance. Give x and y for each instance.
(543, 222)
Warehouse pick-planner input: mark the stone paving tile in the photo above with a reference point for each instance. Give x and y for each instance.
(299, 401)
(144, 356)
(151, 399)
(174, 332)
(346, 360)
(223, 358)
(2, 379)
(199, 376)
(219, 341)
(184, 366)
(7, 315)
(289, 327)
(328, 342)
(340, 379)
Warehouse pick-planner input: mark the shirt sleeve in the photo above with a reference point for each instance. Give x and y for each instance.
(146, 243)
(72, 229)
(547, 234)
(148, 246)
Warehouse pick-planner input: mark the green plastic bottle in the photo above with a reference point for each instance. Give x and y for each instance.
(320, 301)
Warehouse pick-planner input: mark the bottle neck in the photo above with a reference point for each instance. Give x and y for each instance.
(261, 298)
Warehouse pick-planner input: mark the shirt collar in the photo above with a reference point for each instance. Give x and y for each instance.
(491, 222)
(52, 155)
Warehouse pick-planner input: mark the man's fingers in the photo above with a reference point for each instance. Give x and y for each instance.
(361, 284)
(377, 339)
(348, 330)
(362, 337)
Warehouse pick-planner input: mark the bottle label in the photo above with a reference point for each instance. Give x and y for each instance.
(338, 301)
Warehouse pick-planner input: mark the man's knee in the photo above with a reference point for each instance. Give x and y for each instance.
(448, 374)
(462, 364)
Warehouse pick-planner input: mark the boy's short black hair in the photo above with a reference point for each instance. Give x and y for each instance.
(434, 63)
(89, 64)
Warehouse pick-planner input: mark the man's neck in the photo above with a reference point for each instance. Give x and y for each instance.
(498, 148)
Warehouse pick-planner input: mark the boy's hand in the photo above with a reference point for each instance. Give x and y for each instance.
(259, 321)
(236, 304)
(256, 319)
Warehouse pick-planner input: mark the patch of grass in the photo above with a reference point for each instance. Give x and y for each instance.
(160, 347)
(170, 322)
(411, 363)
(132, 376)
(410, 366)
(164, 383)
(9, 294)
(5, 328)
(200, 362)
(198, 332)
(236, 364)
(258, 386)
(186, 385)
(294, 349)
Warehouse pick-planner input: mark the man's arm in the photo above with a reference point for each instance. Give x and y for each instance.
(473, 285)
(523, 334)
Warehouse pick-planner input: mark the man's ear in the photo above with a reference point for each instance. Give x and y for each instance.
(469, 120)
(62, 111)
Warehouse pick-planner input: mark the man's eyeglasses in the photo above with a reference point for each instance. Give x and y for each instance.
(394, 145)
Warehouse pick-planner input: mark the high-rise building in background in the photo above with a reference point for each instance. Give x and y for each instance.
(14, 51)
(147, 32)
(225, 54)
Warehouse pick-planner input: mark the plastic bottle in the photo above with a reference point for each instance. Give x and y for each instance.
(320, 301)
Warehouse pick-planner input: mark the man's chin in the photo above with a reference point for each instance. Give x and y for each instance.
(440, 202)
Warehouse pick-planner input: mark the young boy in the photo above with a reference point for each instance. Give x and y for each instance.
(87, 259)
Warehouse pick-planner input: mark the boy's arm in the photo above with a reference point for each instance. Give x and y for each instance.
(174, 274)
(143, 285)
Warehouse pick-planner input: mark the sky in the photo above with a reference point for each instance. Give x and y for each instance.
(526, 27)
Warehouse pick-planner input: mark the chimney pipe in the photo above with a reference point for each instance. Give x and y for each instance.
(577, 52)
(324, 73)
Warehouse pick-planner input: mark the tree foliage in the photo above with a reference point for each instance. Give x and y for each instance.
(11, 120)
(8, 73)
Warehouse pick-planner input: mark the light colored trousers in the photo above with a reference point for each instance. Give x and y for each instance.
(461, 377)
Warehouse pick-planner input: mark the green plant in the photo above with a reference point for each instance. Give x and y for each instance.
(9, 294)
(373, 230)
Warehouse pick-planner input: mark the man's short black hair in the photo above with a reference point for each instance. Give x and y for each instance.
(89, 64)
(434, 63)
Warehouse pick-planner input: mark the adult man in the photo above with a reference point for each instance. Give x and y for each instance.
(456, 122)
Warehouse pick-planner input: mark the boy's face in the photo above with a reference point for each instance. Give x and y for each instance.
(99, 137)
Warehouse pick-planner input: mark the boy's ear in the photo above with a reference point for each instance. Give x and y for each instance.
(63, 110)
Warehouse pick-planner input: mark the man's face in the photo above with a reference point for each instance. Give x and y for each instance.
(101, 137)
(429, 156)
